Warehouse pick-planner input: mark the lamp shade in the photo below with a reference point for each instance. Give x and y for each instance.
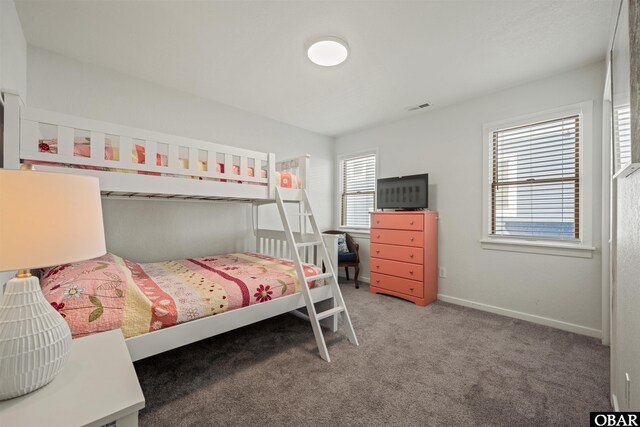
(48, 219)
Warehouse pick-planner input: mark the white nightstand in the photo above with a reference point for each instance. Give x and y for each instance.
(98, 386)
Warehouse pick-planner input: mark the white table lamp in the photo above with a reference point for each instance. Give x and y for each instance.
(46, 219)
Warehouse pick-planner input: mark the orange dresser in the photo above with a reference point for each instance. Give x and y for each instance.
(404, 255)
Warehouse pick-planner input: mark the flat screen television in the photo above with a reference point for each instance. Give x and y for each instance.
(403, 192)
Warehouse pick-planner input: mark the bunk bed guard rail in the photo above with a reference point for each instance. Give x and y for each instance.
(64, 143)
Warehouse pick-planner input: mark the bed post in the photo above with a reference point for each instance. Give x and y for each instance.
(11, 136)
(255, 208)
(304, 165)
(271, 167)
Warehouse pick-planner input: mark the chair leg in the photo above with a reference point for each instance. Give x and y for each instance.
(346, 269)
(355, 278)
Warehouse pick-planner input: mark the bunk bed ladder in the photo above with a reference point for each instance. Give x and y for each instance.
(340, 307)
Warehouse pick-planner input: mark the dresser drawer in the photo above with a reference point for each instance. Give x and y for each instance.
(404, 286)
(397, 253)
(397, 221)
(397, 237)
(396, 268)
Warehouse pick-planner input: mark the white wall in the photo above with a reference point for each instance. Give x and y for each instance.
(447, 144)
(13, 50)
(13, 66)
(149, 231)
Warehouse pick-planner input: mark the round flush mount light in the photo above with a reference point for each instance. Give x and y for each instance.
(328, 51)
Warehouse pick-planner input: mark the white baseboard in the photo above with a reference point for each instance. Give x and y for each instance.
(558, 324)
(614, 403)
(360, 278)
(565, 326)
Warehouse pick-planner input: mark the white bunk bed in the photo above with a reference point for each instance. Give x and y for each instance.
(183, 169)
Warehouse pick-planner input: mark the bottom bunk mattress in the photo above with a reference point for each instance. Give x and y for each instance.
(110, 292)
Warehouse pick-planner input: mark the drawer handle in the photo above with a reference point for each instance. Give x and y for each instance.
(411, 239)
(377, 266)
(411, 272)
(378, 222)
(411, 223)
(377, 251)
(377, 281)
(411, 256)
(378, 236)
(411, 289)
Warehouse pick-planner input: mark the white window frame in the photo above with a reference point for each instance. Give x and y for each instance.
(339, 159)
(583, 247)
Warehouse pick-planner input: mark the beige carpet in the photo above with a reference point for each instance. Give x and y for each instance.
(416, 366)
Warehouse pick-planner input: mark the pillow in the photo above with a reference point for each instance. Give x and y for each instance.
(350, 257)
(285, 179)
(81, 147)
(342, 244)
(90, 295)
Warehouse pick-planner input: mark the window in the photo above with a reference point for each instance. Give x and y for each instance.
(622, 136)
(535, 187)
(537, 194)
(357, 190)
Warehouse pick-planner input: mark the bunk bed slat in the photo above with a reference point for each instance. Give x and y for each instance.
(257, 167)
(243, 167)
(126, 149)
(97, 145)
(228, 164)
(65, 141)
(150, 152)
(193, 159)
(173, 157)
(212, 159)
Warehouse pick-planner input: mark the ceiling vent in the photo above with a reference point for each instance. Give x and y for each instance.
(418, 107)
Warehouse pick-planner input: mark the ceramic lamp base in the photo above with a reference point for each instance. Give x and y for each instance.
(34, 339)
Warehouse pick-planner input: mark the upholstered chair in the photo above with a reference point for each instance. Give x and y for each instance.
(350, 258)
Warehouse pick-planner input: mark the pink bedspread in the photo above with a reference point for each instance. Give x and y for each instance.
(110, 292)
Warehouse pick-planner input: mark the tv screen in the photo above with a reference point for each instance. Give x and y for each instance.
(403, 192)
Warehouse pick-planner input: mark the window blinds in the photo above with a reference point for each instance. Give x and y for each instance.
(358, 190)
(535, 185)
(622, 136)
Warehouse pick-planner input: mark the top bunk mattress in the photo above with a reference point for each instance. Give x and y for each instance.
(110, 292)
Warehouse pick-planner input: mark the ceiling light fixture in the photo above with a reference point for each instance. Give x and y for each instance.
(328, 51)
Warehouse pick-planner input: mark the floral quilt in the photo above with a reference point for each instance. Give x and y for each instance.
(110, 292)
